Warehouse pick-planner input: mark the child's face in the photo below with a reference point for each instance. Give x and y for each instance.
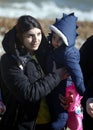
(56, 40)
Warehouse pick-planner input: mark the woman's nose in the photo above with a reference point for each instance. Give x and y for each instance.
(35, 38)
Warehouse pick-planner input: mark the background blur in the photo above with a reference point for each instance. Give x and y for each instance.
(46, 11)
(47, 8)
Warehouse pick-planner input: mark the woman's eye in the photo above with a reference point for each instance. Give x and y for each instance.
(38, 34)
(29, 36)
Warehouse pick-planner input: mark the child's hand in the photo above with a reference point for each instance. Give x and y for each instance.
(2, 108)
(89, 107)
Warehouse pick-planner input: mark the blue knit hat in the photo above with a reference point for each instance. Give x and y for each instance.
(66, 28)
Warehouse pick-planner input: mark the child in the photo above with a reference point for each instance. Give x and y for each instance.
(64, 54)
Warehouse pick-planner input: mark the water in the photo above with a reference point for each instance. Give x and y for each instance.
(47, 8)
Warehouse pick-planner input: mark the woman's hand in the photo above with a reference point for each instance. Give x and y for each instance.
(63, 101)
(89, 106)
(62, 72)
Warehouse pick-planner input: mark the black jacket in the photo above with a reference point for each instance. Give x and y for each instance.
(25, 85)
(86, 63)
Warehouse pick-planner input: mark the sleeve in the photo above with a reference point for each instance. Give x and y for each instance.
(71, 61)
(88, 92)
(20, 84)
(89, 89)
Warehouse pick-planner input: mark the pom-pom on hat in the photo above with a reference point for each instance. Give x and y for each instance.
(66, 28)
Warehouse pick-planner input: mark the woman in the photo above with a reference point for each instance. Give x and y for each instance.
(25, 84)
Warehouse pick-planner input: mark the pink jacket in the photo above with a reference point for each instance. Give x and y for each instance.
(75, 115)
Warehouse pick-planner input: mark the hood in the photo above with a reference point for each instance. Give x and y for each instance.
(66, 28)
(8, 42)
(12, 47)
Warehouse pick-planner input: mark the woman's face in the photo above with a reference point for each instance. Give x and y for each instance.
(32, 39)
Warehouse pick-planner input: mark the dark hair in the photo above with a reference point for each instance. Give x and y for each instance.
(25, 23)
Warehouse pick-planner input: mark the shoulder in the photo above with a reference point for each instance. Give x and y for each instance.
(88, 44)
(7, 62)
(6, 58)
